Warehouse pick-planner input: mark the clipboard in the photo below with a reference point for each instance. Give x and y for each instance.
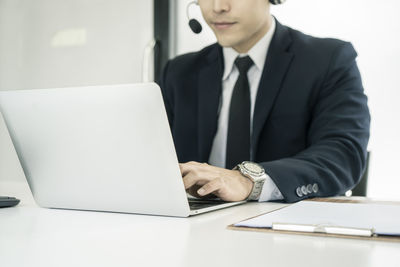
(324, 230)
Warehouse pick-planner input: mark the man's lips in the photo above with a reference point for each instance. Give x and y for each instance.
(223, 25)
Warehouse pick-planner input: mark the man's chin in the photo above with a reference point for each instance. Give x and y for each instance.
(226, 42)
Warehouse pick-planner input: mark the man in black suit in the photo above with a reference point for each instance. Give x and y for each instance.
(292, 106)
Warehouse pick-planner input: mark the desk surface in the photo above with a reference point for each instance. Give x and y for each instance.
(33, 236)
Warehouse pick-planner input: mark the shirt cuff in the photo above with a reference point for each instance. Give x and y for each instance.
(270, 191)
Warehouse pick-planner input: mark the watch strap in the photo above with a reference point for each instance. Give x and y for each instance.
(258, 180)
(256, 191)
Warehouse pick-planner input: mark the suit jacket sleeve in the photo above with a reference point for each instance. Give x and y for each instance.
(337, 138)
(166, 97)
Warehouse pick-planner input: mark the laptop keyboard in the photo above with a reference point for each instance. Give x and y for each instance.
(196, 204)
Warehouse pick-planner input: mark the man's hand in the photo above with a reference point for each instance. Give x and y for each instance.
(201, 179)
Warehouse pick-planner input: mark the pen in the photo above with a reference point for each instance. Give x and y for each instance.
(322, 228)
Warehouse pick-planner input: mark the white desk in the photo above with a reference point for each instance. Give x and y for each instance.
(33, 236)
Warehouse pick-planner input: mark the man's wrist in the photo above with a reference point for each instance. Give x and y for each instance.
(254, 173)
(248, 184)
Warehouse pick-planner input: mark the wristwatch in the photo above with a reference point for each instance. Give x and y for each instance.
(256, 173)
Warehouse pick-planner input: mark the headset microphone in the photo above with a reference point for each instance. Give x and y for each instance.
(195, 25)
(277, 2)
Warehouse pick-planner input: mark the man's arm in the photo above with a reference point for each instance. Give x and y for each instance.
(166, 97)
(337, 137)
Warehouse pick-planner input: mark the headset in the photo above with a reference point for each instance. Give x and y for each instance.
(195, 25)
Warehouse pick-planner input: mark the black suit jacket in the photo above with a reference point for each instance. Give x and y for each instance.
(311, 119)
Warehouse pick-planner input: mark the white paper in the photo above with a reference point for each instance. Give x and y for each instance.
(383, 218)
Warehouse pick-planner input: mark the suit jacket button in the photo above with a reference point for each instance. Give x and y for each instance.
(304, 190)
(315, 188)
(298, 192)
(309, 188)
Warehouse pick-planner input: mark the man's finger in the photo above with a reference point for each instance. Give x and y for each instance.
(184, 169)
(210, 187)
(187, 167)
(191, 179)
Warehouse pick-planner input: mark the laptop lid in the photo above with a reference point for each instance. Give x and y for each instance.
(105, 148)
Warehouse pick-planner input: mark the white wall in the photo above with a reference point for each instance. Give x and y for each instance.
(374, 28)
(60, 43)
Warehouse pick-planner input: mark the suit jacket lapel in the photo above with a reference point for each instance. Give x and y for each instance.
(209, 93)
(276, 65)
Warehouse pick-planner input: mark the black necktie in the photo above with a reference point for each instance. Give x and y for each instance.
(238, 141)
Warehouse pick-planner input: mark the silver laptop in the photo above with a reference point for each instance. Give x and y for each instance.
(103, 148)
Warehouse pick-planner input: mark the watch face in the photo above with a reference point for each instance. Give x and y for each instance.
(254, 168)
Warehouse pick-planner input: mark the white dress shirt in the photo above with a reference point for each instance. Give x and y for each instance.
(258, 54)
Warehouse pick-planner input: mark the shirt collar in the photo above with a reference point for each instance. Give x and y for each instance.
(257, 53)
